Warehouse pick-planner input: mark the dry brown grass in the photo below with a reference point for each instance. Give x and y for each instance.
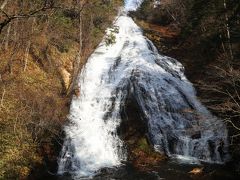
(164, 31)
(33, 100)
(32, 111)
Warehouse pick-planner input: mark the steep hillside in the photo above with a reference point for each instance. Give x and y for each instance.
(43, 46)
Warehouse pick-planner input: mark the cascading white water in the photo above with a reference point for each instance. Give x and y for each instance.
(132, 5)
(178, 124)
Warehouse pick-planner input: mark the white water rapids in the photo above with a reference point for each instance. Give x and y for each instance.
(178, 124)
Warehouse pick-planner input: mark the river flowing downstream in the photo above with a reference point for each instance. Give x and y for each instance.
(178, 124)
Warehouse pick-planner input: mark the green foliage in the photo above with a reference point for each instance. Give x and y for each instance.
(111, 36)
(145, 9)
(144, 146)
(153, 15)
(97, 32)
(110, 39)
(62, 21)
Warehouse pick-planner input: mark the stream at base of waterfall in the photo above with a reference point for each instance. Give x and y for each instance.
(178, 124)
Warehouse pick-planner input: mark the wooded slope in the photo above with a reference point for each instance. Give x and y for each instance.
(44, 44)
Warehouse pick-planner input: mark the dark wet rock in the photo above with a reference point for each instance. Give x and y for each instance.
(196, 136)
(127, 172)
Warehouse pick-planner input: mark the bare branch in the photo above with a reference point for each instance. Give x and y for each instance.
(229, 121)
(29, 14)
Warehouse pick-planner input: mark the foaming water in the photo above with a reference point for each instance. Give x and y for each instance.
(132, 5)
(178, 124)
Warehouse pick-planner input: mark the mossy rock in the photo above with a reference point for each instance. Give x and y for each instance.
(143, 145)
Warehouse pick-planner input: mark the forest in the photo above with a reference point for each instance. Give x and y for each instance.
(45, 43)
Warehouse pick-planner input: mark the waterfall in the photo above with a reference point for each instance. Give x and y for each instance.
(132, 5)
(178, 124)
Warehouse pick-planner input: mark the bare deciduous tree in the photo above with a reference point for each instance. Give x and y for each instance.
(7, 18)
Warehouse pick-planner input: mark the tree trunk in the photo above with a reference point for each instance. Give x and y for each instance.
(2, 98)
(227, 29)
(7, 37)
(77, 62)
(26, 56)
